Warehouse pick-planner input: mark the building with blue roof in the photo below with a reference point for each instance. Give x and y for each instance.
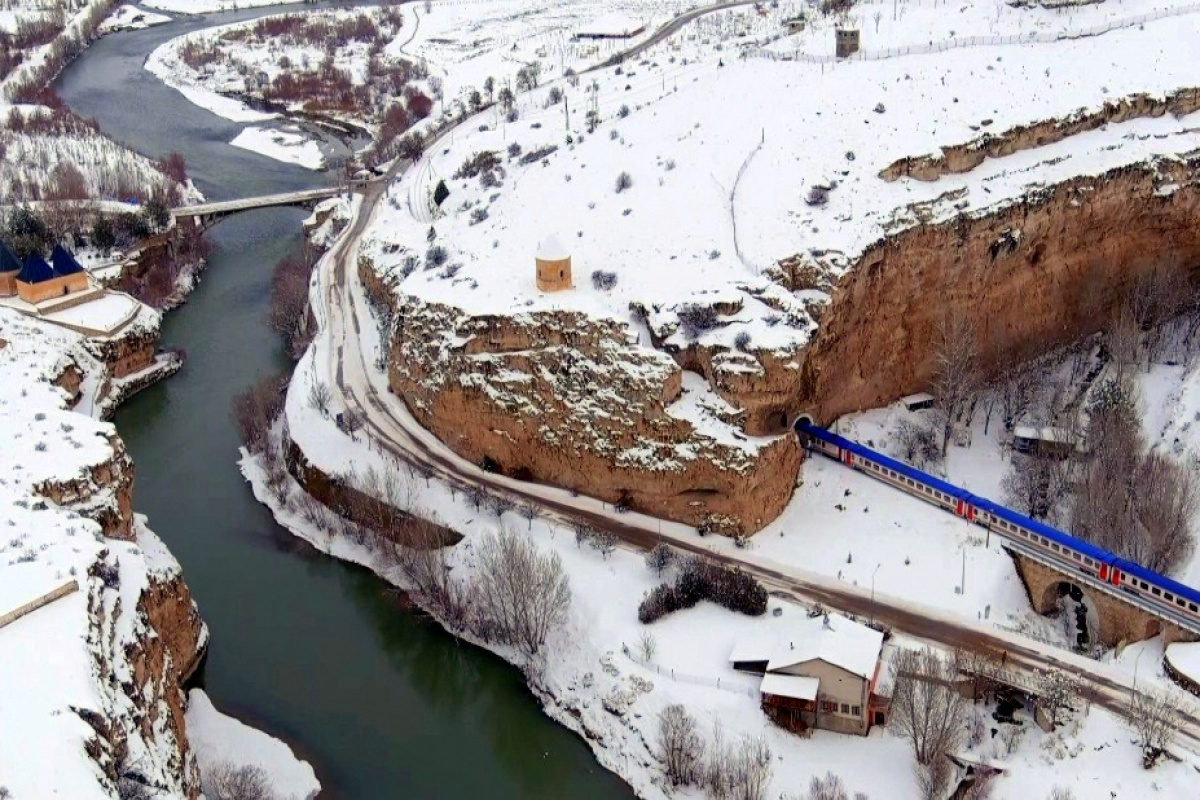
(38, 281)
(9, 267)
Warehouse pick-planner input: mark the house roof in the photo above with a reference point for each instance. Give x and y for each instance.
(8, 261)
(64, 262)
(551, 249)
(796, 686)
(36, 270)
(842, 642)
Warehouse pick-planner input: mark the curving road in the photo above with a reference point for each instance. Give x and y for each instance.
(341, 309)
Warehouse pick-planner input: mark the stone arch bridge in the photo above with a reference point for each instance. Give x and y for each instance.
(1120, 616)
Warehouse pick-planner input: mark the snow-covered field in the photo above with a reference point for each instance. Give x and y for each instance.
(132, 18)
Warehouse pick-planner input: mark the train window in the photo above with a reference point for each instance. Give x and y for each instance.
(1192, 607)
(1154, 590)
(1168, 596)
(1076, 556)
(1179, 601)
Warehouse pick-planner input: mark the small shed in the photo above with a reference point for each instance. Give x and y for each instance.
(917, 402)
(1052, 442)
(553, 262)
(846, 42)
(795, 24)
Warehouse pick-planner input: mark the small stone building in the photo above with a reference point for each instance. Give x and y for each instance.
(846, 42)
(9, 268)
(38, 281)
(553, 266)
(823, 674)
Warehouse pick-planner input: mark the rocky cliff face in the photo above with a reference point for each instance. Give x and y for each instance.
(1037, 272)
(126, 641)
(574, 401)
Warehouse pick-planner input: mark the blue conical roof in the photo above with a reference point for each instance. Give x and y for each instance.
(64, 262)
(35, 270)
(8, 262)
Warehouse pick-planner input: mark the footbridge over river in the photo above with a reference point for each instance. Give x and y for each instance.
(208, 213)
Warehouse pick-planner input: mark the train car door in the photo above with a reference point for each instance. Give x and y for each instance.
(847, 458)
(965, 510)
(1115, 577)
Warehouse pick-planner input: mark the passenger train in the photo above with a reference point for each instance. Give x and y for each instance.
(1157, 593)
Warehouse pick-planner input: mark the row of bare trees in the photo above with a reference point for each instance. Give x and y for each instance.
(729, 770)
(1130, 500)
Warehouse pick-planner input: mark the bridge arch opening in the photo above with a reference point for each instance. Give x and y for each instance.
(1076, 613)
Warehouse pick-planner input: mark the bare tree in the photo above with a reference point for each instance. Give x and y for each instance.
(529, 511)
(1155, 717)
(750, 768)
(1123, 338)
(1061, 793)
(933, 779)
(423, 561)
(955, 383)
(660, 558)
(319, 396)
(1017, 389)
(227, 782)
(918, 442)
(828, 788)
(680, 746)
(1058, 694)
(605, 542)
(523, 594)
(926, 709)
(1135, 503)
(1035, 485)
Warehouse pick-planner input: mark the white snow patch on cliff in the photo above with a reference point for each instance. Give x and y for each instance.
(220, 739)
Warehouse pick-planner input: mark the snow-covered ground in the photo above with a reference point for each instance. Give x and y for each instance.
(287, 143)
(132, 18)
(221, 740)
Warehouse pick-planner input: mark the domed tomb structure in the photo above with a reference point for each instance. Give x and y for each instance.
(553, 265)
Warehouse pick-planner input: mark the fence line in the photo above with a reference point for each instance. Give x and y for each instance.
(978, 41)
(699, 680)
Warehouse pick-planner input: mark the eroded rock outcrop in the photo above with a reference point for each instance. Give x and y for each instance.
(575, 401)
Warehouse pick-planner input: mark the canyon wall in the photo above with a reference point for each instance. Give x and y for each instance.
(1041, 271)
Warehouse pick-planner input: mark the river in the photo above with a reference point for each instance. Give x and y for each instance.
(315, 651)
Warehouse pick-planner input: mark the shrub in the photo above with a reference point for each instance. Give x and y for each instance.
(103, 236)
(661, 558)
(817, 196)
(604, 281)
(555, 97)
(478, 215)
(696, 318)
(623, 111)
(538, 155)
(436, 256)
(699, 579)
(624, 181)
(742, 340)
(514, 149)
(480, 162)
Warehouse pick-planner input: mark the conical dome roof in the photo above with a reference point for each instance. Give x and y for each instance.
(8, 261)
(64, 262)
(551, 249)
(35, 270)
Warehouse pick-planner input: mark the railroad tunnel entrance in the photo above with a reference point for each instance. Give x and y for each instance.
(1075, 611)
(805, 439)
